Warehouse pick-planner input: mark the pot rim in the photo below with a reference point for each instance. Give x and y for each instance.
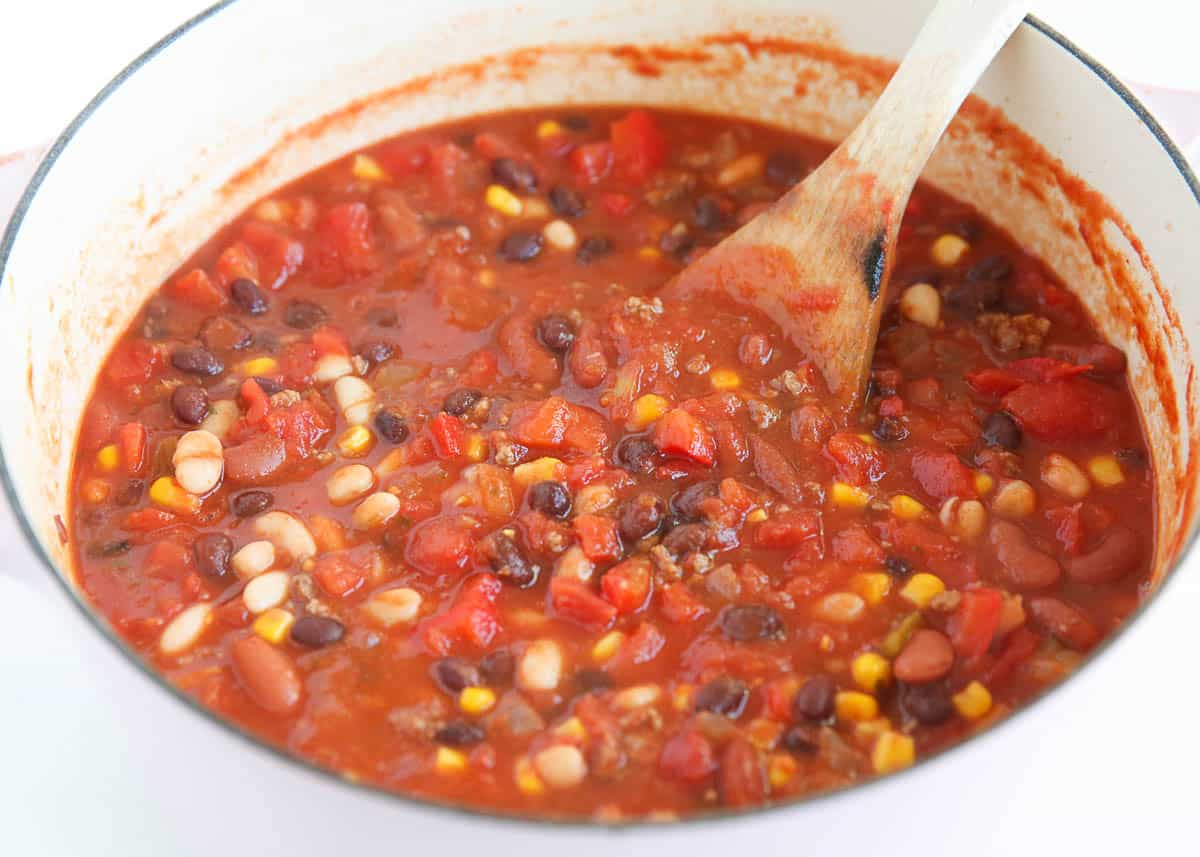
(512, 820)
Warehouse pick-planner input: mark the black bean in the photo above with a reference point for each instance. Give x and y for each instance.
(685, 504)
(459, 733)
(130, 492)
(459, 401)
(927, 703)
(317, 631)
(376, 351)
(897, 566)
(110, 548)
(1132, 456)
(550, 498)
(213, 552)
(196, 360)
(250, 503)
(1001, 430)
(382, 316)
(303, 315)
(391, 425)
(509, 562)
(593, 247)
(521, 247)
(514, 175)
(784, 169)
(248, 296)
(566, 202)
(676, 241)
(801, 739)
(637, 454)
(684, 539)
(189, 404)
(556, 332)
(709, 213)
(270, 386)
(496, 668)
(749, 622)
(890, 429)
(641, 517)
(723, 695)
(990, 268)
(589, 680)
(453, 674)
(576, 122)
(814, 699)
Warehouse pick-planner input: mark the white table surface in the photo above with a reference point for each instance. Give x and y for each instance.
(67, 786)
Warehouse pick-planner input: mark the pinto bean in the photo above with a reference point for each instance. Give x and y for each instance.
(587, 361)
(254, 461)
(776, 472)
(927, 657)
(1116, 555)
(1025, 566)
(1066, 622)
(517, 339)
(741, 780)
(267, 674)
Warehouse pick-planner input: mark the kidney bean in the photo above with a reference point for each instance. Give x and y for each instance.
(391, 425)
(640, 517)
(784, 169)
(1067, 623)
(317, 631)
(189, 403)
(1117, 554)
(514, 175)
(566, 202)
(224, 334)
(213, 552)
(685, 504)
(303, 315)
(723, 695)
(453, 674)
(130, 492)
(459, 733)
(267, 674)
(496, 668)
(750, 622)
(550, 498)
(1001, 430)
(509, 561)
(250, 503)
(926, 657)
(686, 538)
(890, 429)
(521, 246)
(814, 700)
(196, 360)
(556, 333)
(459, 401)
(741, 778)
(248, 296)
(929, 703)
(1106, 361)
(593, 247)
(255, 460)
(1025, 566)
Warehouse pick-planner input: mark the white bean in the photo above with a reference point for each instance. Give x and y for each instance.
(541, 666)
(593, 498)
(561, 766)
(394, 606)
(922, 304)
(287, 533)
(185, 629)
(1065, 476)
(560, 234)
(199, 461)
(376, 510)
(355, 399)
(331, 367)
(1015, 500)
(266, 591)
(840, 607)
(638, 696)
(222, 414)
(253, 559)
(348, 483)
(574, 563)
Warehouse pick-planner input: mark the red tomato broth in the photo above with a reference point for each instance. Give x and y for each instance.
(406, 263)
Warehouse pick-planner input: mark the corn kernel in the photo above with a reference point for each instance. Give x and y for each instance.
(356, 441)
(502, 200)
(607, 646)
(95, 491)
(259, 366)
(867, 439)
(893, 751)
(647, 409)
(1105, 470)
(476, 700)
(477, 447)
(948, 249)
(984, 483)
(487, 278)
(539, 470)
(855, 705)
(572, 727)
(921, 588)
(528, 782)
(649, 254)
(108, 458)
(780, 769)
(872, 586)
(681, 697)
(757, 516)
(973, 701)
(898, 637)
(549, 128)
(907, 508)
(764, 733)
(868, 730)
(450, 761)
(826, 644)
(849, 496)
(533, 208)
(166, 492)
(274, 624)
(724, 379)
(870, 670)
(367, 168)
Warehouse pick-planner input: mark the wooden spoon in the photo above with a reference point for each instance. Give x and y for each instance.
(816, 261)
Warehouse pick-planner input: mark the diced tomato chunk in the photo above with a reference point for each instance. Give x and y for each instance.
(446, 164)
(134, 361)
(543, 534)
(278, 255)
(854, 545)
(639, 146)
(973, 623)
(1019, 647)
(347, 237)
(932, 550)
(892, 406)
(598, 537)
(1066, 409)
(256, 401)
(338, 574)
(555, 423)
(627, 585)
(197, 289)
(329, 340)
(679, 605)
(642, 646)
(147, 520)
(573, 599)
(617, 204)
(236, 262)
(302, 428)
(857, 461)
(439, 546)
(449, 434)
(788, 530)
(679, 433)
(131, 440)
(942, 474)
(471, 619)
(404, 158)
(687, 757)
(591, 162)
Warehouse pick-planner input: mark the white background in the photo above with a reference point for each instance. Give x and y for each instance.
(53, 58)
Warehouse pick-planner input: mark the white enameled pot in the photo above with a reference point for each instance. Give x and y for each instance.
(255, 92)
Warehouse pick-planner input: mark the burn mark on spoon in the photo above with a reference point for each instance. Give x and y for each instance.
(874, 261)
